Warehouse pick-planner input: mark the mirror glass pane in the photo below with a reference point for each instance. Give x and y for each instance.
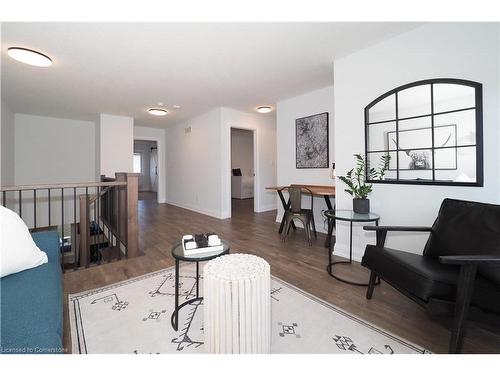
(450, 97)
(415, 175)
(415, 160)
(455, 129)
(414, 101)
(465, 166)
(378, 139)
(384, 110)
(414, 133)
(375, 161)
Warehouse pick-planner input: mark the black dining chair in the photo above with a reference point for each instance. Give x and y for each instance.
(295, 211)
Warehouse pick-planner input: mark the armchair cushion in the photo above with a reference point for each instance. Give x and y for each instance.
(467, 228)
(426, 278)
(423, 277)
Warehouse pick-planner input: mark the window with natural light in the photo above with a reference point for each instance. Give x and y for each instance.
(137, 163)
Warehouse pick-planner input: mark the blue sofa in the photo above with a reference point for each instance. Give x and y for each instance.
(32, 304)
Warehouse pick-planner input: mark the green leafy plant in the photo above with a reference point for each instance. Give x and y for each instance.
(355, 179)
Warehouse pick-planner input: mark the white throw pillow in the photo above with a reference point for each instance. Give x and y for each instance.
(18, 252)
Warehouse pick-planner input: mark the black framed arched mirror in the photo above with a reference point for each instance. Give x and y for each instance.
(432, 131)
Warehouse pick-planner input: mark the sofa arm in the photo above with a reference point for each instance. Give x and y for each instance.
(48, 242)
(470, 259)
(382, 231)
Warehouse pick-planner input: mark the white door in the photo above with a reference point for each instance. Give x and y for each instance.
(153, 169)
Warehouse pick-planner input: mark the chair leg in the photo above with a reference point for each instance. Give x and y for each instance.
(313, 225)
(308, 232)
(286, 229)
(371, 285)
(465, 288)
(290, 225)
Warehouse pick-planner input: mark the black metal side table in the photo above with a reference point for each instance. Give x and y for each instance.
(178, 254)
(351, 217)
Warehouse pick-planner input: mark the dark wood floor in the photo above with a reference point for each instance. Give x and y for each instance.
(162, 225)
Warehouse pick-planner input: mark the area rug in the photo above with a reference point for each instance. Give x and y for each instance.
(133, 316)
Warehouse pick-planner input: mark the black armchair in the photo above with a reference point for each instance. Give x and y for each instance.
(459, 268)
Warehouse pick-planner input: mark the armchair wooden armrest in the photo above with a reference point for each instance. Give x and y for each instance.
(382, 231)
(397, 228)
(470, 259)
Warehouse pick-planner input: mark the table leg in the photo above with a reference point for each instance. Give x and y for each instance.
(175, 317)
(286, 205)
(329, 268)
(197, 279)
(350, 242)
(330, 229)
(328, 202)
(328, 240)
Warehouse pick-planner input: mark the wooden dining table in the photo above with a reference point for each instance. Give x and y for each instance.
(325, 191)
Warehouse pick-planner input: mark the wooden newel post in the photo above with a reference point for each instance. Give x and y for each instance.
(127, 199)
(84, 231)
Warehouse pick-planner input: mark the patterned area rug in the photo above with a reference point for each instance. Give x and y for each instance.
(133, 316)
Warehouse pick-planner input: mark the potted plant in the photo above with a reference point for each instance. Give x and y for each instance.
(355, 180)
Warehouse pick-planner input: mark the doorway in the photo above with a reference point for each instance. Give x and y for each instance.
(146, 164)
(242, 172)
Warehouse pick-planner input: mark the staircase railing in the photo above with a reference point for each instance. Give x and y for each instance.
(97, 221)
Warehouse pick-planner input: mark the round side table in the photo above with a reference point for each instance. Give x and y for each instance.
(351, 217)
(178, 254)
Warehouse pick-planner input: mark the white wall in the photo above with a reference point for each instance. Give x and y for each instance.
(287, 111)
(465, 50)
(194, 172)
(116, 144)
(264, 128)
(242, 151)
(51, 150)
(7, 146)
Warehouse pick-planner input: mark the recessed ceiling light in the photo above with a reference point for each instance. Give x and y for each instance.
(264, 109)
(176, 106)
(157, 111)
(29, 56)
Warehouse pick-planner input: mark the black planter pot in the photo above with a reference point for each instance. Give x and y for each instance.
(361, 206)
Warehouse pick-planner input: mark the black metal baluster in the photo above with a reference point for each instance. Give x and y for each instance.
(49, 204)
(87, 209)
(20, 204)
(34, 208)
(4, 200)
(110, 220)
(62, 228)
(96, 219)
(118, 234)
(73, 232)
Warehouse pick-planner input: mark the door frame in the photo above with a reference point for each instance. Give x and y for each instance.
(227, 172)
(161, 193)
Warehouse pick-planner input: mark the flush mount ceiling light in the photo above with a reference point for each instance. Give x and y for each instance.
(264, 109)
(157, 111)
(29, 56)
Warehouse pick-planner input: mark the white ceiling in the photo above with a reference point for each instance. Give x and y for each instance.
(124, 68)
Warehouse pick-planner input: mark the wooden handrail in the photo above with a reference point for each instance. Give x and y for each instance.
(61, 186)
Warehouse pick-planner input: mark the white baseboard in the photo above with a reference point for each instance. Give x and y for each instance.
(199, 210)
(266, 208)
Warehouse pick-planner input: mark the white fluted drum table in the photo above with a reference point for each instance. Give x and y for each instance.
(237, 305)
